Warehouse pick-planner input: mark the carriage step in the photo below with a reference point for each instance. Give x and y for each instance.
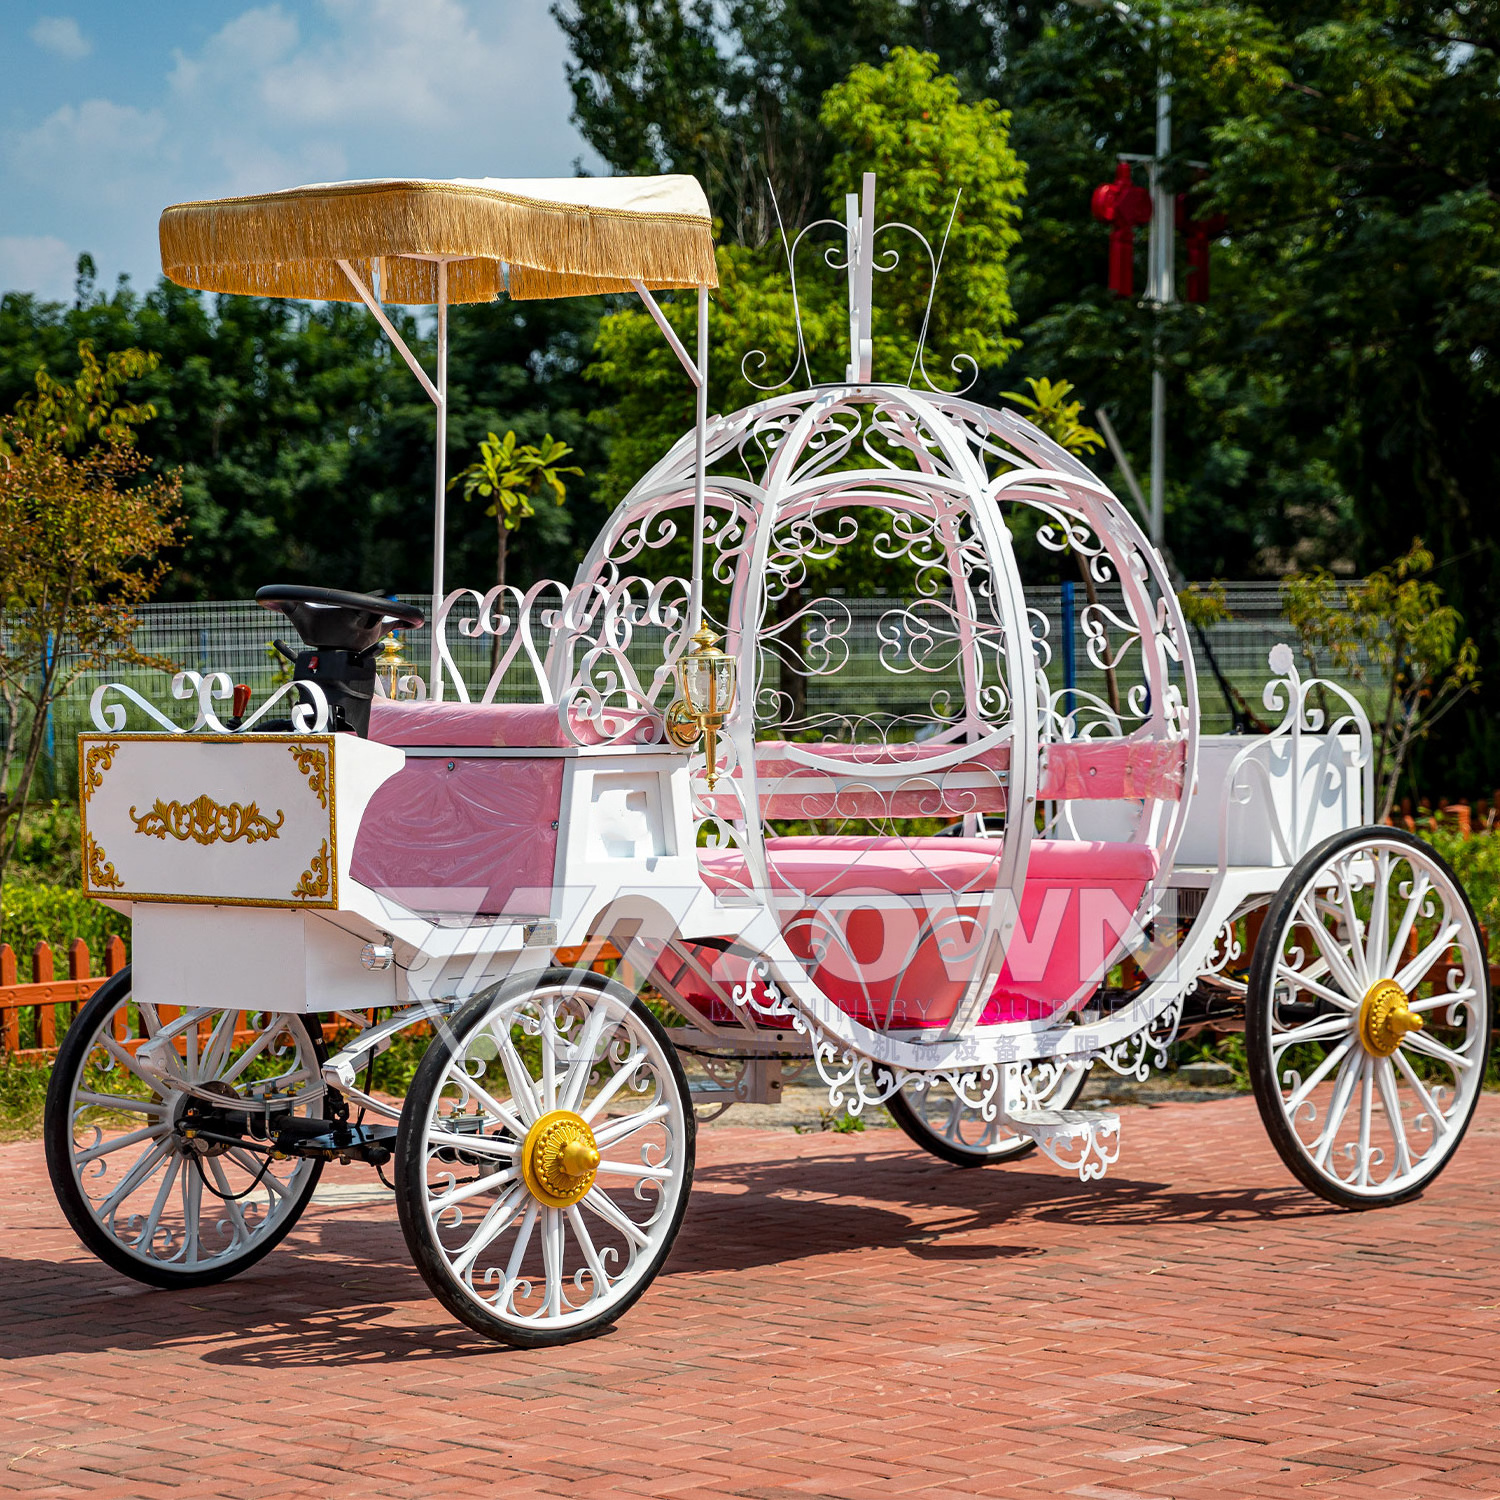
(1086, 1141)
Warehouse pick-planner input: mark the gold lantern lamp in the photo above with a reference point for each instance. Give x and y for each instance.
(706, 683)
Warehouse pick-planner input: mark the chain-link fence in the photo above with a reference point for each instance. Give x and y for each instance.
(235, 637)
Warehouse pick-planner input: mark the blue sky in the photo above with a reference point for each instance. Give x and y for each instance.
(110, 111)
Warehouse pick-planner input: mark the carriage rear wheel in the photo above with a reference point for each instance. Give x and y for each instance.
(545, 1157)
(141, 1194)
(1367, 1019)
(939, 1121)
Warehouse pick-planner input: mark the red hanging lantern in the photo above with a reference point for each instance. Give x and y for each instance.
(1122, 205)
(1199, 235)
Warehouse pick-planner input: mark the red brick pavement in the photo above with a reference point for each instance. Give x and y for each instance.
(843, 1316)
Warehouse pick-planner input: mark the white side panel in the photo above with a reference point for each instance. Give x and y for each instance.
(250, 958)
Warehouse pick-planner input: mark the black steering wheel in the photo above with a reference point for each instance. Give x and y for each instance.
(335, 619)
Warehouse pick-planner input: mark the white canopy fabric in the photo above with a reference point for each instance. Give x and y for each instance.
(532, 237)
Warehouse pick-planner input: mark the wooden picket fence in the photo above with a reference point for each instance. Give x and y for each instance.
(37, 1004)
(42, 998)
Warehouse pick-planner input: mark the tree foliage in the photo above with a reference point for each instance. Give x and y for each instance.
(929, 148)
(508, 474)
(1397, 620)
(82, 530)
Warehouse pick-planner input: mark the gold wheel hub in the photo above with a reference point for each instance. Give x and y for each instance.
(559, 1158)
(1385, 1017)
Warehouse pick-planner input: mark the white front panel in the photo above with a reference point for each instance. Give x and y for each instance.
(239, 819)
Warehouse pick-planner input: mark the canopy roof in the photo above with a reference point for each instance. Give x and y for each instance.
(555, 237)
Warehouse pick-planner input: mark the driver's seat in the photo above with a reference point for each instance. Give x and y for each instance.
(340, 631)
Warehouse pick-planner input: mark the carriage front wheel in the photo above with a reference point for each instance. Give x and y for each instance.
(544, 1157)
(1367, 1019)
(143, 1190)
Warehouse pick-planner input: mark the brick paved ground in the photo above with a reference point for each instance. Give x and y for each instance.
(842, 1317)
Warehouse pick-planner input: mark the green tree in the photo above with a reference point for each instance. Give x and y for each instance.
(82, 527)
(910, 126)
(508, 474)
(1397, 620)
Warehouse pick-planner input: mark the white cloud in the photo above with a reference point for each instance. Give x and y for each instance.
(39, 263)
(288, 92)
(60, 34)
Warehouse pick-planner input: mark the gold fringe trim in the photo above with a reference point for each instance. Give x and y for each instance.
(289, 244)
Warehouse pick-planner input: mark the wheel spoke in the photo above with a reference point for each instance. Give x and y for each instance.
(136, 1177)
(617, 1130)
(549, 1065)
(120, 1102)
(1416, 971)
(1333, 954)
(1444, 1000)
(1429, 1104)
(583, 1058)
(1316, 1077)
(119, 1143)
(220, 1040)
(1343, 1089)
(621, 1076)
(1377, 934)
(1303, 980)
(1390, 1098)
(478, 1145)
(192, 1206)
(1366, 1099)
(1419, 1041)
(517, 1075)
(552, 1260)
(1324, 1028)
(490, 1227)
(272, 1029)
(466, 1190)
(148, 1233)
(596, 1200)
(590, 1254)
(268, 1178)
(1356, 953)
(518, 1253)
(664, 1173)
(458, 1075)
(1420, 887)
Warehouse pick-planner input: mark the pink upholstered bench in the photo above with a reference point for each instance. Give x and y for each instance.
(884, 962)
(496, 726)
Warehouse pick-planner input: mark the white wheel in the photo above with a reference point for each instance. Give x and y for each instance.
(1368, 1017)
(939, 1121)
(545, 1157)
(139, 1193)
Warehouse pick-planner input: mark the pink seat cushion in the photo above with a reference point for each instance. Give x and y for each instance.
(521, 726)
(906, 964)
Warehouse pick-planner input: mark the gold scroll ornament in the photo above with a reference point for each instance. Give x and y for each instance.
(101, 874)
(313, 885)
(207, 822)
(313, 763)
(95, 763)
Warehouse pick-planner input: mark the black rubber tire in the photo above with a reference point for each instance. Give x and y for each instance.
(411, 1173)
(1258, 998)
(57, 1136)
(909, 1118)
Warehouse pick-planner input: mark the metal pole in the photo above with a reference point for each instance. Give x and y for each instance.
(1161, 289)
(700, 442)
(439, 515)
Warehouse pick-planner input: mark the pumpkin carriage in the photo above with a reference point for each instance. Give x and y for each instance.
(952, 895)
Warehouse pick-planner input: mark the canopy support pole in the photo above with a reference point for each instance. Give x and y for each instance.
(440, 500)
(697, 372)
(439, 396)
